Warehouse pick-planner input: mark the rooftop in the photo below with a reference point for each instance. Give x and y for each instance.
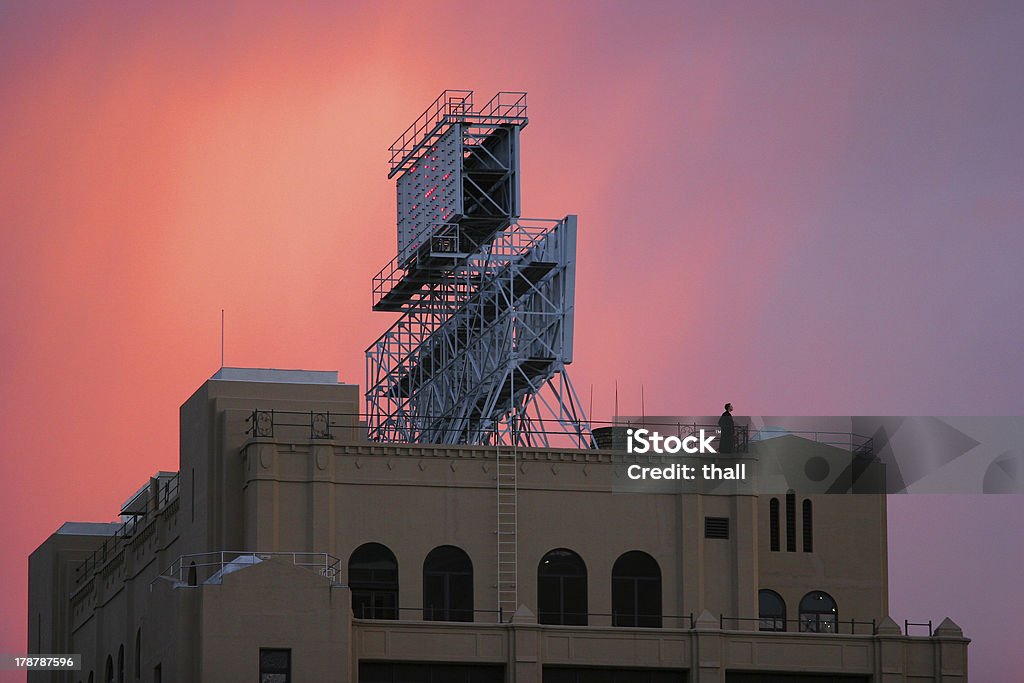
(89, 528)
(277, 376)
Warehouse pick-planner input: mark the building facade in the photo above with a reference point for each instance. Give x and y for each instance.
(288, 548)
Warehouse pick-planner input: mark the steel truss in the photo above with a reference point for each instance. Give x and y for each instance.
(479, 355)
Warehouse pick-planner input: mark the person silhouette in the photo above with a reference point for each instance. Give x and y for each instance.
(727, 439)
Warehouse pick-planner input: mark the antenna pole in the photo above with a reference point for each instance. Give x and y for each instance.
(222, 337)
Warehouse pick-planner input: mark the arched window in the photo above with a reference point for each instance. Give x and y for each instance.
(138, 654)
(818, 613)
(791, 522)
(562, 589)
(120, 664)
(373, 580)
(108, 676)
(90, 677)
(636, 590)
(773, 524)
(447, 585)
(808, 527)
(771, 610)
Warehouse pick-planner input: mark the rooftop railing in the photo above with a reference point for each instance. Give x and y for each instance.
(199, 568)
(166, 493)
(328, 425)
(448, 103)
(452, 106)
(855, 443)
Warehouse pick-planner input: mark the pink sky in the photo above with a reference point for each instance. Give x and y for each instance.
(803, 208)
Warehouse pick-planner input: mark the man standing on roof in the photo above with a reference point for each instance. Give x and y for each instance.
(727, 440)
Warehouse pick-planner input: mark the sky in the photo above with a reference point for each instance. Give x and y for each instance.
(802, 208)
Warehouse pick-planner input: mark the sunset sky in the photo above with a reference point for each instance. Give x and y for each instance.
(802, 208)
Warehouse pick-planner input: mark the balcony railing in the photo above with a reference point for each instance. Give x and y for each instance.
(199, 568)
(620, 619)
(807, 624)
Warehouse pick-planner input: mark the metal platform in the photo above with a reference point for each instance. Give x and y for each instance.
(479, 355)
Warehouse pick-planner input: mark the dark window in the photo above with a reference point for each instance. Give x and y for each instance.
(373, 580)
(157, 674)
(275, 665)
(138, 654)
(716, 527)
(791, 522)
(417, 672)
(108, 676)
(771, 610)
(808, 527)
(761, 677)
(773, 523)
(447, 585)
(636, 591)
(564, 674)
(818, 613)
(120, 664)
(90, 677)
(562, 589)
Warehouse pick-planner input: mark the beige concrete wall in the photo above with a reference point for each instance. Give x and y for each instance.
(273, 604)
(51, 574)
(104, 612)
(212, 430)
(848, 560)
(297, 494)
(332, 498)
(706, 653)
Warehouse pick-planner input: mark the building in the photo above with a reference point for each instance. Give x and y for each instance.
(289, 548)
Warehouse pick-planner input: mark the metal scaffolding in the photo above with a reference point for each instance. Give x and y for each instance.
(479, 355)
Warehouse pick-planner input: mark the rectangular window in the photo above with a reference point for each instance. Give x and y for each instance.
(773, 524)
(716, 527)
(565, 674)
(808, 528)
(275, 665)
(791, 522)
(393, 672)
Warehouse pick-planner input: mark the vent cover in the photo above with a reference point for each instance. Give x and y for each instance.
(716, 527)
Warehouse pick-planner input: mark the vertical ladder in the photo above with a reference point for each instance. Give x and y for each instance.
(508, 526)
(508, 502)
(508, 514)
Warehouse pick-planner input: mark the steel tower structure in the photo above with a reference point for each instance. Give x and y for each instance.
(479, 354)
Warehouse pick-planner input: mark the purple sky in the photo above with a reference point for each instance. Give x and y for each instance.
(804, 208)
